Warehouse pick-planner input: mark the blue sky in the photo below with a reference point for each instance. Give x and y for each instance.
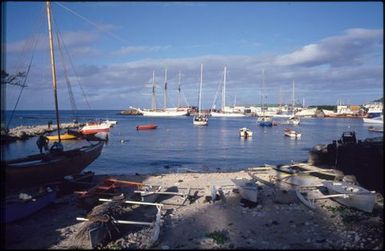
(332, 50)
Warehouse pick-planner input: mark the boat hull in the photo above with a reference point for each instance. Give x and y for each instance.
(146, 127)
(247, 189)
(358, 197)
(43, 168)
(20, 209)
(65, 136)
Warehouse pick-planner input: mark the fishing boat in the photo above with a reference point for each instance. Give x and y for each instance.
(291, 133)
(223, 112)
(352, 195)
(57, 162)
(247, 189)
(95, 127)
(25, 205)
(146, 127)
(245, 132)
(200, 119)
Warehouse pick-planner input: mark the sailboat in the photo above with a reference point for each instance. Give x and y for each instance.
(263, 119)
(200, 119)
(54, 165)
(293, 120)
(165, 112)
(223, 112)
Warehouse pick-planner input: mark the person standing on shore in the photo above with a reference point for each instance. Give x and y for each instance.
(42, 142)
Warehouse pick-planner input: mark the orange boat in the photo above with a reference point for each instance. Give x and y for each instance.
(146, 127)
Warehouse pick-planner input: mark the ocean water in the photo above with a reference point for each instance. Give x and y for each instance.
(177, 145)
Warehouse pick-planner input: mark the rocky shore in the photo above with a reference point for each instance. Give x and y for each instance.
(277, 221)
(26, 132)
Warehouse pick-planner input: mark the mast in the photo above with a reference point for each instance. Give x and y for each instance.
(200, 92)
(179, 91)
(165, 89)
(292, 99)
(153, 101)
(224, 91)
(53, 69)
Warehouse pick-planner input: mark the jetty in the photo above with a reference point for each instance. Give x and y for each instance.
(25, 132)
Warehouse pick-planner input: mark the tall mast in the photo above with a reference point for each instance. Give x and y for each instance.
(179, 91)
(53, 67)
(293, 98)
(153, 101)
(165, 89)
(200, 91)
(224, 91)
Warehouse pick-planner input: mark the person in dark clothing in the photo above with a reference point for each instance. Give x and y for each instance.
(42, 142)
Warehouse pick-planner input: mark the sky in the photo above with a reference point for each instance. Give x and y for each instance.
(332, 51)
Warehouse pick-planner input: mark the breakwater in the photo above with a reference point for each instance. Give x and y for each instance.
(26, 132)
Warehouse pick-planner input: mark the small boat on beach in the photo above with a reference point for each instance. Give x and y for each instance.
(146, 127)
(25, 205)
(291, 133)
(352, 195)
(247, 189)
(245, 132)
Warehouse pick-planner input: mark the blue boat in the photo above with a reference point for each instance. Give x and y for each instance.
(265, 121)
(17, 209)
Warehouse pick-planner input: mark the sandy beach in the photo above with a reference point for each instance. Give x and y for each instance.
(277, 221)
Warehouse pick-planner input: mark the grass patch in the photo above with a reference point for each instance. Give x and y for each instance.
(219, 237)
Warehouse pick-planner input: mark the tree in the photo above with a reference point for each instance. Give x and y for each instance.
(14, 79)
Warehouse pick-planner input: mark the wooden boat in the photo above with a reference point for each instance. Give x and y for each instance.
(292, 133)
(57, 163)
(352, 195)
(245, 132)
(108, 188)
(146, 127)
(25, 205)
(247, 189)
(53, 166)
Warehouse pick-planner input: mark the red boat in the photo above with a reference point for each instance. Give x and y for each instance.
(146, 127)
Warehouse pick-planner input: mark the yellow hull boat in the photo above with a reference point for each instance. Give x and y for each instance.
(62, 137)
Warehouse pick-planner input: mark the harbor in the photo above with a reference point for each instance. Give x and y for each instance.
(188, 127)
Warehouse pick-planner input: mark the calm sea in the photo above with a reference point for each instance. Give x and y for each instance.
(177, 144)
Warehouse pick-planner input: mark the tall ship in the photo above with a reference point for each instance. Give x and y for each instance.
(165, 112)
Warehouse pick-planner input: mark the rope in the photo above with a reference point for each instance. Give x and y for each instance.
(92, 23)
